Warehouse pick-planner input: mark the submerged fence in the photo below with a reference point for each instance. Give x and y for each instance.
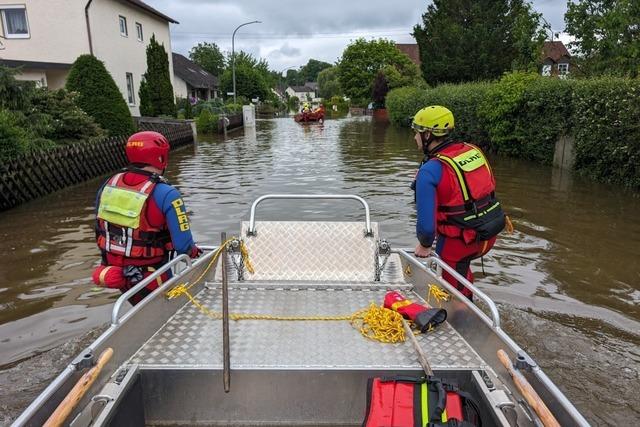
(37, 174)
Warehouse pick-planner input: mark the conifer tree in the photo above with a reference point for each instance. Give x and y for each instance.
(156, 91)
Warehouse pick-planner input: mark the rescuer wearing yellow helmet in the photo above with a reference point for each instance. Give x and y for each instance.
(455, 196)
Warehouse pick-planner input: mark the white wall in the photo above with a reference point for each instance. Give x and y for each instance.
(123, 55)
(57, 32)
(180, 87)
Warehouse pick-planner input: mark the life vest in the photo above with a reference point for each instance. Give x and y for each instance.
(122, 226)
(467, 204)
(405, 401)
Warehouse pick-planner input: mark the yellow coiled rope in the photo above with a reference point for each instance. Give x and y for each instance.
(375, 322)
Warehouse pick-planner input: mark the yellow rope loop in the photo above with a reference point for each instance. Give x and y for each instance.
(438, 294)
(245, 257)
(177, 290)
(379, 324)
(509, 224)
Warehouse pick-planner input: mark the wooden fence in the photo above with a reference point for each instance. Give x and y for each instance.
(37, 174)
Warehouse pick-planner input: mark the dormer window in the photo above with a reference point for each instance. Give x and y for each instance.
(14, 21)
(563, 68)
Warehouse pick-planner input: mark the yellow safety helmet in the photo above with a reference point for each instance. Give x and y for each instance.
(436, 119)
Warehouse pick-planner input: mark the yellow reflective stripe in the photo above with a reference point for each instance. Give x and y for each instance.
(424, 400)
(399, 304)
(454, 166)
(470, 160)
(484, 212)
(444, 416)
(103, 273)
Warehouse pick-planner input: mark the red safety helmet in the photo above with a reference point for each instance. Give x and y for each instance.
(149, 148)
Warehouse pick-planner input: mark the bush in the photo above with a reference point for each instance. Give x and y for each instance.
(55, 115)
(14, 139)
(185, 109)
(523, 115)
(207, 122)
(606, 117)
(99, 96)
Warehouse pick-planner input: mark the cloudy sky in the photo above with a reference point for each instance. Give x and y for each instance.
(292, 32)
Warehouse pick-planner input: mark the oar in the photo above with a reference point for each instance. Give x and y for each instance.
(422, 358)
(72, 399)
(530, 395)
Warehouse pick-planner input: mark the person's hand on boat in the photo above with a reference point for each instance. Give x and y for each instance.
(195, 252)
(422, 251)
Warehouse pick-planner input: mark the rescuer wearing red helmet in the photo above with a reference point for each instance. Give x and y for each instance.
(455, 196)
(140, 218)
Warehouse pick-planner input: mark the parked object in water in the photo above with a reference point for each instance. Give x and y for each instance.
(292, 286)
(315, 115)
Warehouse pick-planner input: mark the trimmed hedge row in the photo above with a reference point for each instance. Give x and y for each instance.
(523, 115)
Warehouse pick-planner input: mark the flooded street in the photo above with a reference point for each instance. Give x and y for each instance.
(567, 282)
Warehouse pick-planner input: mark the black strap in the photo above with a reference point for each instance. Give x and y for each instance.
(155, 239)
(468, 207)
(153, 177)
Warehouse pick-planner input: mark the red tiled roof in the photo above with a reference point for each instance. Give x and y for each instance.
(411, 50)
(555, 51)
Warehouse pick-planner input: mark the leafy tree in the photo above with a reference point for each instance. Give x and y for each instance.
(362, 60)
(156, 92)
(294, 78)
(208, 56)
(607, 35)
(380, 90)
(250, 82)
(328, 83)
(466, 40)
(99, 96)
(310, 71)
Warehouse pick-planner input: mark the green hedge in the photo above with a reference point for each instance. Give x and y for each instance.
(523, 115)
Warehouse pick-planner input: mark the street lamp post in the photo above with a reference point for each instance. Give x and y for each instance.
(233, 56)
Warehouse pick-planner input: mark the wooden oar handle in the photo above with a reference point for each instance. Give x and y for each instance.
(72, 399)
(532, 398)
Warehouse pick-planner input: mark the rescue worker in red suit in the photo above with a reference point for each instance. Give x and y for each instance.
(455, 196)
(140, 219)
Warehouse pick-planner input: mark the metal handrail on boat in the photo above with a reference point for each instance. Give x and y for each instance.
(535, 368)
(495, 314)
(252, 220)
(143, 283)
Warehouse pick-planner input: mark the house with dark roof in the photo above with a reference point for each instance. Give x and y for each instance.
(303, 93)
(192, 81)
(44, 38)
(411, 50)
(556, 59)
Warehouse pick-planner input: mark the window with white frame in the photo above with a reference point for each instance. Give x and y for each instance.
(14, 21)
(124, 31)
(546, 70)
(563, 68)
(130, 91)
(139, 32)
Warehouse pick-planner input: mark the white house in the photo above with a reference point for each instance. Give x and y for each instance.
(192, 81)
(303, 93)
(46, 37)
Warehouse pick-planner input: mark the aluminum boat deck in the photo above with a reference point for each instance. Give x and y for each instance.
(191, 340)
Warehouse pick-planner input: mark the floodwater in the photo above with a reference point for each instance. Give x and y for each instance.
(567, 282)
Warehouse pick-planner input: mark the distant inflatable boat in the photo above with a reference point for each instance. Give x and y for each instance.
(310, 116)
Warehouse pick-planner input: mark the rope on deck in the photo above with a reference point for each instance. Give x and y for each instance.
(374, 322)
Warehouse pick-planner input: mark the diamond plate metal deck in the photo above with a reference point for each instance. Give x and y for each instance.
(315, 251)
(192, 340)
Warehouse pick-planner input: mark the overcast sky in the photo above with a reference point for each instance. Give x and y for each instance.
(292, 32)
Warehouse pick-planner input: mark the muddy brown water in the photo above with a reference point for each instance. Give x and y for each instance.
(567, 282)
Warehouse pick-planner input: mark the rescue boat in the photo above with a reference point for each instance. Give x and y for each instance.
(254, 333)
(316, 115)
